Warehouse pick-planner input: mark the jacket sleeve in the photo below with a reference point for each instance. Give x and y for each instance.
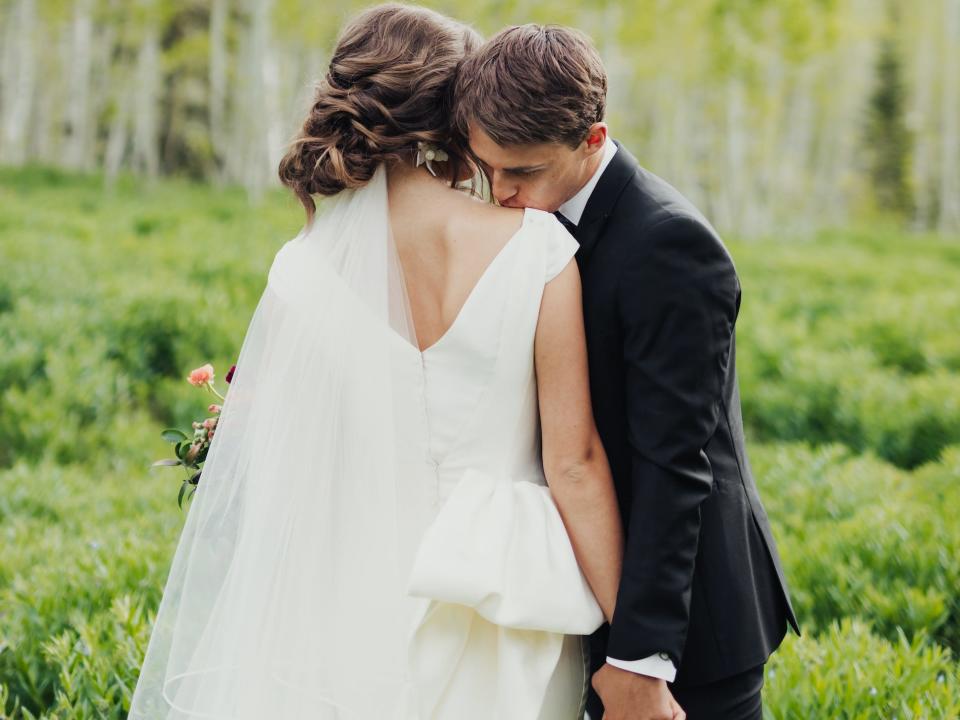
(678, 299)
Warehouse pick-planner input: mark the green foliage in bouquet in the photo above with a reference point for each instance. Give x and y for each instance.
(190, 450)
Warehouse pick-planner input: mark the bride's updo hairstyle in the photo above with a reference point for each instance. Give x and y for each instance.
(388, 87)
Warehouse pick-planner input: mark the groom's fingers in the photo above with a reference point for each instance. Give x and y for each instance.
(678, 713)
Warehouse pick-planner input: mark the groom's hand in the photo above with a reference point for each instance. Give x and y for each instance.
(630, 696)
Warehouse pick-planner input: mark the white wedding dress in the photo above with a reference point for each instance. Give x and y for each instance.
(373, 538)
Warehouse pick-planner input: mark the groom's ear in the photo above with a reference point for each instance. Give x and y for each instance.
(596, 137)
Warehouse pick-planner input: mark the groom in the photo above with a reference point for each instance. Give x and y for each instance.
(702, 601)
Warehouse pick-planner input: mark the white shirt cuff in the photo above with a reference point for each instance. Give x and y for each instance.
(658, 666)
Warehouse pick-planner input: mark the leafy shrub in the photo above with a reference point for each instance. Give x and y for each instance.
(852, 341)
(114, 298)
(861, 538)
(82, 538)
(847, 673)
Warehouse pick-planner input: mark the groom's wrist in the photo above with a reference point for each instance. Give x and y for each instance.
(658, 666)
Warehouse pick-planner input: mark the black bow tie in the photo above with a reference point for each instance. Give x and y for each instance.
(571, 227)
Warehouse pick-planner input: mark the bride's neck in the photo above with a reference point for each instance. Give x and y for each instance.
(416, 184)
(406, 173)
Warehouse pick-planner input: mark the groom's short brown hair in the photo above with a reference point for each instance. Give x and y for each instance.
(532, 84)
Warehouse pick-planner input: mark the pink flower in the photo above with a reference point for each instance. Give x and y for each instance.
(210, 423)
(214, 408)
(202, 375)
(229, 376)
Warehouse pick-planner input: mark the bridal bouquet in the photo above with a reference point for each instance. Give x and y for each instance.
(190, 449)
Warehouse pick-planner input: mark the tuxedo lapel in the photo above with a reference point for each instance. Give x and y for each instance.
(603, 199)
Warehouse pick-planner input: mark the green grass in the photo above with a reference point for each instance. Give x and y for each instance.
(853, 338)
(849, 357)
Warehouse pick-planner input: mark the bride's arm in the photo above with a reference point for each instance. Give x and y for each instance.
(573, 457)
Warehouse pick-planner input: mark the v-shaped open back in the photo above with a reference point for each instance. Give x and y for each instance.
(491, 266)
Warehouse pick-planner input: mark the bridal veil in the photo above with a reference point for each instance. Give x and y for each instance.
(307, 508)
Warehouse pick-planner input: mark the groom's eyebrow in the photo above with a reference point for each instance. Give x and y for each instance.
(515, 170)
(524, 168)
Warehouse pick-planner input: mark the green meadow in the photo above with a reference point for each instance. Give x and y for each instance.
(849, 357)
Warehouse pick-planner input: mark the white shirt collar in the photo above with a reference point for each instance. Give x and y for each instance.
(573, 208)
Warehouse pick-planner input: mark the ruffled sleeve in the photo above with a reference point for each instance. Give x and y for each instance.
(499, 546)
(561, 246)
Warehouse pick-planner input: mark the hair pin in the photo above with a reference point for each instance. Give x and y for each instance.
(427, 153)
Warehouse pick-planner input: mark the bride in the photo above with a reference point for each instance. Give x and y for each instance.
(406, 512)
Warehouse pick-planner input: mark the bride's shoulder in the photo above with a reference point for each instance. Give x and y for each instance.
(547, 241)
(485, 218)
(542, 217)
(554, 235)
(551, 228)
(475, 217)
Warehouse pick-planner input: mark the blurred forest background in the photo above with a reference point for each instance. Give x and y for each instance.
(139, 215)
(771, 115)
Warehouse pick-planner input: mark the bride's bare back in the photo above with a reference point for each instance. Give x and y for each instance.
(446, 240)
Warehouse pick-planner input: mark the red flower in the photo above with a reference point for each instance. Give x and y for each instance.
(229, 376)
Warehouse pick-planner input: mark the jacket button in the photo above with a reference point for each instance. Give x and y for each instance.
(664, 656)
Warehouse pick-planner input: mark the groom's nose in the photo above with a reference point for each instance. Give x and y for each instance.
(503, 190)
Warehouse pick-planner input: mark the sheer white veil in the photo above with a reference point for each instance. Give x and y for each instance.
(310, 502)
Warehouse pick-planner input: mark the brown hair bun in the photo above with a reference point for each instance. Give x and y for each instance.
(388, 87)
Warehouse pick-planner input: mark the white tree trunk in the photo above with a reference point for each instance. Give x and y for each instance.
(795, 156)
(146, 94)
(273, 96)
(732, 181)
(18, 75)
(950, 124)
(922, 112)
(768, 137)
(46, 135)
(118, 136)
(78, 148)
(219, 137)
(254, 150)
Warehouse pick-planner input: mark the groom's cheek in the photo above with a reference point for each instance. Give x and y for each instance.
(544, 195)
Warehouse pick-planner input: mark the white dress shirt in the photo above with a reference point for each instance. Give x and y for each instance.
(573, 208)
(657, 665)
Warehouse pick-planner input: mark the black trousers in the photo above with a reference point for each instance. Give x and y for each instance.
(733, 698)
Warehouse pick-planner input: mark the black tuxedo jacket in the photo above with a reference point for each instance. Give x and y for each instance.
(702, 580)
